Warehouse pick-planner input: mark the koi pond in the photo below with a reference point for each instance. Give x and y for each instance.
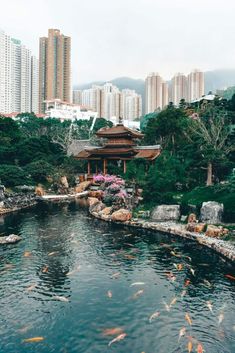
(75, 284)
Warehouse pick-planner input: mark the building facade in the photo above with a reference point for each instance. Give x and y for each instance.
(179, 88)
(195, 85)
(77, 96)
(54, 68)
(56, 108)
(156, 93)
(5, 73)
(16, 78)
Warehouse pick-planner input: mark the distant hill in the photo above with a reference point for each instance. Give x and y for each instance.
(216, 79)
(120, 82)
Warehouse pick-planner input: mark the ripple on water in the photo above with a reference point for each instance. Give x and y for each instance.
(59, 289)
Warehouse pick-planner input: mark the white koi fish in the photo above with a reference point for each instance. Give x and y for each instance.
(137, 284)
(60, 298)
(154, 316)
(118, 338)
(182, 333)
(210, 306)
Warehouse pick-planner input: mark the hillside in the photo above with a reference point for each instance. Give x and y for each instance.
(216, 79)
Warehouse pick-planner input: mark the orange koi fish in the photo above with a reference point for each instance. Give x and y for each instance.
(109, 294)
(45, 269)
(112, 331)
(118, 338)
(154, 316)
(33, 339)
(230, 277)
(200, 348)
(187, 282)
(187, 318)
(31, 287)
(27, 254)
(190, 346)
(174, 300)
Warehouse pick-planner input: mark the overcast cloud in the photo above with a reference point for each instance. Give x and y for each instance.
(113, 38)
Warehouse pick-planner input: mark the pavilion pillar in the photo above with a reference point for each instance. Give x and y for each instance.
(96, 167)
(124, 166)
(89, 168)
(105, 166)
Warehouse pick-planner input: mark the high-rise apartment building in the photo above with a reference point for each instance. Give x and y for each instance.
(179, 88)
(195, 85)
(54, 68)
(165, 94)
(34, 84)
(130, 105)
(16, 77)
(5, 73)
(77, 96)
(156, 93)
(92, 98)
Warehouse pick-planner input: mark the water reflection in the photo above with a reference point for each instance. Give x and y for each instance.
(73, 279)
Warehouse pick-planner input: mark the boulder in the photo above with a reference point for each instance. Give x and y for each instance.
(211, 212)
(196, 227)
(106, 211)
(214, 231)
(166, 213)
(64, 182)
(97, 207)
(92, 201)
(39, 191)
(2, 190)
(82, 186)
(192, 218)
(98, 194)
(121, 215)
(10, 239)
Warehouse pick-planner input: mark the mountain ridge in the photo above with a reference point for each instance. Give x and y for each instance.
(214, 79)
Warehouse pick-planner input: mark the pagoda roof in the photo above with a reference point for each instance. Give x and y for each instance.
(119, 130)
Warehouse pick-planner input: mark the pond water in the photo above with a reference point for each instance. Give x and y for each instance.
(78, 283)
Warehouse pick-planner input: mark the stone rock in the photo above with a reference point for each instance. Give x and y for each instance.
(39, 191)
(211, 212)
(82, 186)
(196, 227)
(1, 204)
(64, 182)
(121, 215)
(214, 231)
(166, 213)
(10, 239)
(92, 201)
(97, 207)
(192, 218)
(2, 190)
(98, 194)
(106, 211)
(183, 218)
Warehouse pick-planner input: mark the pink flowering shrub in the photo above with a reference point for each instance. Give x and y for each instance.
(113, 188)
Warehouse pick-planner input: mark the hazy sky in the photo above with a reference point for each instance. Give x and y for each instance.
(113, 38)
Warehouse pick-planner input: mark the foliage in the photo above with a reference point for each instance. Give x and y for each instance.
(137, 171)
(12, 175)
(39, 170)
